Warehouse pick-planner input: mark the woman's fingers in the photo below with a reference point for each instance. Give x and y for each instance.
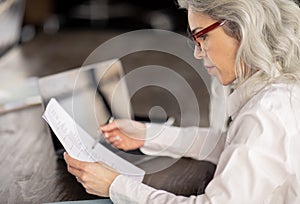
(108, 127)
(74, 171)
(73, 162)
(74, 167)
(111, 134)
(117, 144)
(114, 138)
(115, 141)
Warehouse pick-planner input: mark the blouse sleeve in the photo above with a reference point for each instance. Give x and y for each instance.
(197, 143)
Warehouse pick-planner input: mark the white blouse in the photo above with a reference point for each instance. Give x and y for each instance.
(257, 161)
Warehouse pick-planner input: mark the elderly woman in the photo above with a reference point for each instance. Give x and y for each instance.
(255, 45)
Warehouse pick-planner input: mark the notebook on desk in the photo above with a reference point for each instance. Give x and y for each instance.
(91, 94)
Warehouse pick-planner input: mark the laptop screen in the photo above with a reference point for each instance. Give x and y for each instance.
(90, 94)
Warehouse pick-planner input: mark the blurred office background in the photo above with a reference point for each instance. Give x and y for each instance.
(43, 37)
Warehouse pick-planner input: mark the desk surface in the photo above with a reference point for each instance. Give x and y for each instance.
(30, 171)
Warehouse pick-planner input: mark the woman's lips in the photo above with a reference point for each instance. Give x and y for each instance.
(209, 67)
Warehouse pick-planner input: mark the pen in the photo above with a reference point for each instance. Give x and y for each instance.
(111, 119)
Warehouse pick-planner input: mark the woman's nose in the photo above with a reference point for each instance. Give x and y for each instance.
(198, 52)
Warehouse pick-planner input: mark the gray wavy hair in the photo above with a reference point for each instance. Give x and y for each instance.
(268, 32)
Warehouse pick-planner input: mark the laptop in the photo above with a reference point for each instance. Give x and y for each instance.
(91, 95)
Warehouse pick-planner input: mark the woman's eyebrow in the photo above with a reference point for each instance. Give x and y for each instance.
(194, 30)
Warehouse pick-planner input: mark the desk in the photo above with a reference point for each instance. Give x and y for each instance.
(31, 173)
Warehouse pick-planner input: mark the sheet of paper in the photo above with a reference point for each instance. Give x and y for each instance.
(78, 143)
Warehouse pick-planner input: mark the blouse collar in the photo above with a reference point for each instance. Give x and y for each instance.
(239, 97)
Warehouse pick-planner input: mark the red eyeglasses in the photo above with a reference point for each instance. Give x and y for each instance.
(202, 33)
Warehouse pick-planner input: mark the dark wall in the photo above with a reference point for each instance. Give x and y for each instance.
(121, 14)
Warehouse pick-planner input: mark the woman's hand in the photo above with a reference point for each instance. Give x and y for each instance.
(95, 177)
(125, 134)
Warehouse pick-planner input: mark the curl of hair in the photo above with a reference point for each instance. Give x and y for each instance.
(268, 32)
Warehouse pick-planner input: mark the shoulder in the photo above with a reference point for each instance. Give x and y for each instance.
(276, 98)
(272, 113)
(276, 106)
